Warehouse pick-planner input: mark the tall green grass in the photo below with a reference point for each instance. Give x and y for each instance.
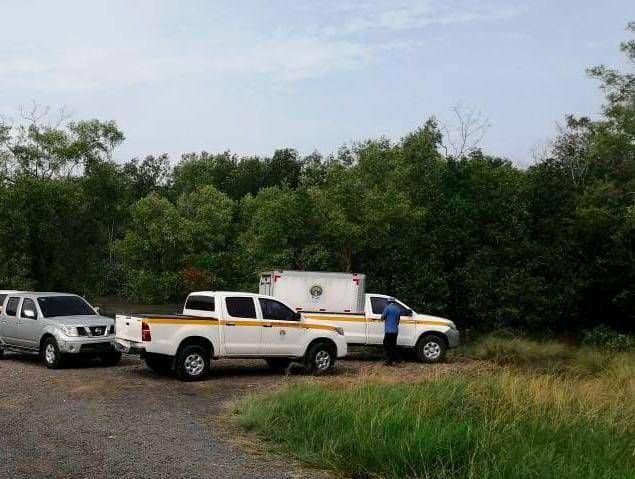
(496, 424)
(545, 356)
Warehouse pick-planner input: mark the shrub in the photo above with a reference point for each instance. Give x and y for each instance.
(520, 351)
(606, 338)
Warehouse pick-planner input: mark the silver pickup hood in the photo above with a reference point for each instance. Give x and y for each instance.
(83, 320)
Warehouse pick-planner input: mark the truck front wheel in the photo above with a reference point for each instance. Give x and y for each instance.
(51, 354)
(431, 349)
(320, 358)
(192, 363)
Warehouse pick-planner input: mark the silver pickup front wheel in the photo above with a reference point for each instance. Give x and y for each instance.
(51, 354)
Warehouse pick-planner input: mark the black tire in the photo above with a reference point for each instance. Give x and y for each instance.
(431, 349)
(192, 363)
(159, 364)
(110, 359)
(278, 364)
(51, 355)
(320, 358)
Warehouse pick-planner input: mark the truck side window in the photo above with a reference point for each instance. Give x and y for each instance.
(28, 304)
(275, 310)
(378, 304)
(241, 307)
(12, 306)
(200, 303)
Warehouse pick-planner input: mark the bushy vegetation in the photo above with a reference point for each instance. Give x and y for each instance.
(604, 337)
(496, 422)
(468, 236)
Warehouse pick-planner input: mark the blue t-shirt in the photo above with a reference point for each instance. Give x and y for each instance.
(391, 316)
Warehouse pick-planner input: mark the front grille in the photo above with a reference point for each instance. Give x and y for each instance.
(98, 330)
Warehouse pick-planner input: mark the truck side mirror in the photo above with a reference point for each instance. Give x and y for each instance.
(409, 312)
(297, 316)
(97, 309)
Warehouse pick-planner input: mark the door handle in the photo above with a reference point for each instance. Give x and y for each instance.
(230, 324)
(267, 326)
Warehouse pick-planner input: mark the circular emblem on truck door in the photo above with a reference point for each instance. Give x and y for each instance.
(316, 291)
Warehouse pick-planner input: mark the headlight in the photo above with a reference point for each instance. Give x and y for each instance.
(340, 331)
(69, 331)
(452, 325)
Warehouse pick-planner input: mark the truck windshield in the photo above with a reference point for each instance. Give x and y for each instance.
(52, 306)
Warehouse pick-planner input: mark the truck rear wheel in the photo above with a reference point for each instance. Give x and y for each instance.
(431, 349)
(159, 364)
(192, 363)
(320, 358)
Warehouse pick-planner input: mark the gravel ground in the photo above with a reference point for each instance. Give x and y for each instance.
(87, 421)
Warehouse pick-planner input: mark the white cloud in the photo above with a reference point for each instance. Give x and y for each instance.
(401, 15)
(320, 46)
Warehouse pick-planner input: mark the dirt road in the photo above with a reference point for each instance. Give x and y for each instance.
(87, 421)
(94, 422)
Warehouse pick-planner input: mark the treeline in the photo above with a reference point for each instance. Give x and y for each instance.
(471, 237)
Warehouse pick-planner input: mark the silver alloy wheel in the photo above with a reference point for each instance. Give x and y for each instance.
(194, 364)
(49, 353)
(431, 350)
(322, 360)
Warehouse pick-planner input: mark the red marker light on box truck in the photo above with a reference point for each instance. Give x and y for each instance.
(145, 332)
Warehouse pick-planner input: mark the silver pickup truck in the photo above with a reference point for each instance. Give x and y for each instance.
(55, 325)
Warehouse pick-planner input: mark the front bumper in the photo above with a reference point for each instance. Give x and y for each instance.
(84, 345)
(454, 338)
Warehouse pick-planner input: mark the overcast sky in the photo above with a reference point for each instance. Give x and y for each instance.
(253, 76)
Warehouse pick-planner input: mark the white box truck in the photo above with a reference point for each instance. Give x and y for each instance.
(340, 299)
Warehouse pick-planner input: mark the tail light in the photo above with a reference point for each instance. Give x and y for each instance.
(145, 332)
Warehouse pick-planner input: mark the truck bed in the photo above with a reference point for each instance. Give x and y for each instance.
(129, 326)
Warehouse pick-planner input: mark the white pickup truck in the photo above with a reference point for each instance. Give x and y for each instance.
(218, 325)
(340, 299)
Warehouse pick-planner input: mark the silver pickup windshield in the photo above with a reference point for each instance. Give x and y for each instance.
(53, 306)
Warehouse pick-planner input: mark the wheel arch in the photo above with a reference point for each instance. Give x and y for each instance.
(315, 341)
(199, 341)
(438, 334)
(43, 339)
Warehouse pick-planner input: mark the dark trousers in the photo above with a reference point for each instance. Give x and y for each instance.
(390, 345)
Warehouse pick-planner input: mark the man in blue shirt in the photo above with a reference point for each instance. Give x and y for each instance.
(391, 317)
